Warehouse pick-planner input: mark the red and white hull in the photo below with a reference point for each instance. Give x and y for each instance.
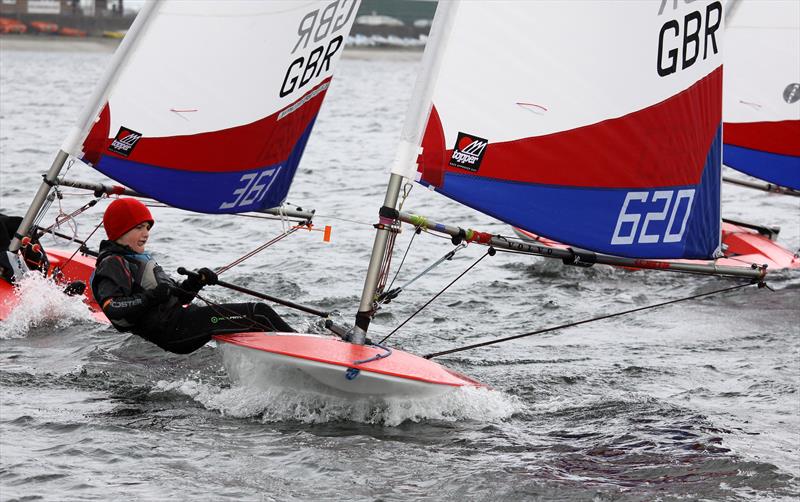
(301, 361)
(336, 367)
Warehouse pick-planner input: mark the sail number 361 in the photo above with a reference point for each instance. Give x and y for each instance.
(668, 204)
(254, 187)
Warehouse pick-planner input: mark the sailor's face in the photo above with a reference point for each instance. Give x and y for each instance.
(136, 237)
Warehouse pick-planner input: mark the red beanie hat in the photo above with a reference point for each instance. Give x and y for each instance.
(124, 214)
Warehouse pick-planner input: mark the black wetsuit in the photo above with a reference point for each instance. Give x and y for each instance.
(124, 285)
(34, 260)
(8, 225)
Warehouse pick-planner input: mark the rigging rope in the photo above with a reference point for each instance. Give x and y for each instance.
(57, 270)
(391, 294)
(406, 192)
(386, 260)
(489, 252)
(585, 321)
(365, 223)
(258, 249)
(400, 267)
(62, 217)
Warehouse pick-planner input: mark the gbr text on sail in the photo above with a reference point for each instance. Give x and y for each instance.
(317, 43)
(682, 42)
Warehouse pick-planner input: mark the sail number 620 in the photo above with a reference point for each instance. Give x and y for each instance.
(670, 203)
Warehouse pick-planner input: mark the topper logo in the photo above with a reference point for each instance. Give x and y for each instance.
(468, 152)
(124, 141)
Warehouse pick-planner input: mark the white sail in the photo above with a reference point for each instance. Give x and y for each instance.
(594, 123)
(218, 97)
(762, 90)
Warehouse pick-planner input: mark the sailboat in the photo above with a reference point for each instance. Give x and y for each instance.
(762, 92)
(516, 112)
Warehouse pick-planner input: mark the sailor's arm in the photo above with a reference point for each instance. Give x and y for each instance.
(188, 289)
(126, 307)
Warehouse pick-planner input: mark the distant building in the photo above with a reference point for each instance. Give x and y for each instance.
(406, 19)
(376, 19)
(407, 11)
(94, 8)
(403, 19)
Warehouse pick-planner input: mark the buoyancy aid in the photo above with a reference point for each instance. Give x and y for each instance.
(120, 284)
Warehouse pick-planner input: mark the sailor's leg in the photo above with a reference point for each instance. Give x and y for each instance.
(196, 325)
(233, 318)
(266, 315)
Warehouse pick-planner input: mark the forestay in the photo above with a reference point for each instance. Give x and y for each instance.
(762, 90)
(597, 124)
(212, 107)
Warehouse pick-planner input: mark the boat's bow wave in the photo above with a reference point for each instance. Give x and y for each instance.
(38, 301)
(259, 399)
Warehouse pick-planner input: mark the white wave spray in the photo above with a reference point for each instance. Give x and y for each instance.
(38, 301)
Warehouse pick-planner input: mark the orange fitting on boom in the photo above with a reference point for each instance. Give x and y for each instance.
(326, 235)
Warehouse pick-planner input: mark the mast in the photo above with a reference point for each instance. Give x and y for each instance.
(406, 156)
(96, 101)
(732, 7)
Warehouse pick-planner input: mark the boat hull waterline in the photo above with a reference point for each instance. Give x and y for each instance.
(343, 368)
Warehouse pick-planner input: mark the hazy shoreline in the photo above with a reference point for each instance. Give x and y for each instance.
(45, 43)
(57, 44)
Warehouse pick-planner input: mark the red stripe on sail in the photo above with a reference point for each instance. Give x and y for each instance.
(433, 157)
(96, 141)
(782, 137)
(264, 142)
(665, 144)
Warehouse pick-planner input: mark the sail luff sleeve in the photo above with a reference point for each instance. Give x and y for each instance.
(405, 161)
(74, 140)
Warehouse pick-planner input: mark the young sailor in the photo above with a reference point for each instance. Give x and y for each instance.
(138, 296)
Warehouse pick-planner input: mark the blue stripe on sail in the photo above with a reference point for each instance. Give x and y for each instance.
(590, 218)
(210, 192)
(783, 170)
(704, 225)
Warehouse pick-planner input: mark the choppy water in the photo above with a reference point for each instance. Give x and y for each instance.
(694, 401)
